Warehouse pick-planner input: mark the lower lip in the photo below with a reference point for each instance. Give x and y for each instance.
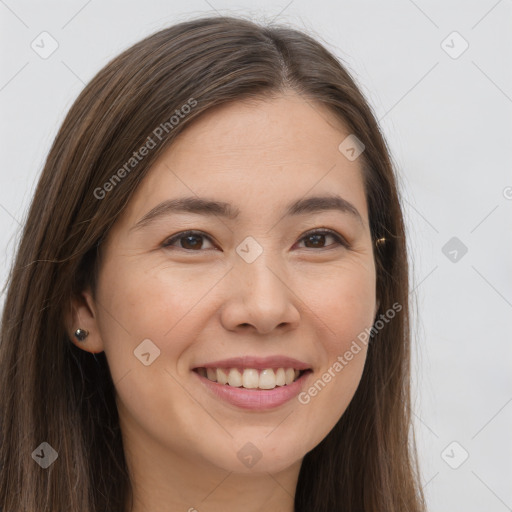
(256, 399)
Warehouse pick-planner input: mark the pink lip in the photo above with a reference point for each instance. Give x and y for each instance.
(258, 363)
(253, 399)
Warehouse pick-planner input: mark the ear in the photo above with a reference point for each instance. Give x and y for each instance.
(83, 315)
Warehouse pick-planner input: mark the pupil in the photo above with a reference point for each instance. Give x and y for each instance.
(316, 237)
(187, 238)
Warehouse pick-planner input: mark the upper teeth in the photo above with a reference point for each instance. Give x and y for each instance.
(251, 378)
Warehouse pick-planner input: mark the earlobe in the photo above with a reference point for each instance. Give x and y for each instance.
(82, 323)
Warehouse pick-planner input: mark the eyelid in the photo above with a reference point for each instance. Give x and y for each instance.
(341, 240)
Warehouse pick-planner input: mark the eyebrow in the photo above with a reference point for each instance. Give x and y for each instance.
(204, 206)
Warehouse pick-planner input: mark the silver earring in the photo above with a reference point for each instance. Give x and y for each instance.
(81, 334)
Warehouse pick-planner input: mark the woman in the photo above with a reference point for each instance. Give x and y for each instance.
(208, 309)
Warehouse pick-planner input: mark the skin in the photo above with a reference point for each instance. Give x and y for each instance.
(305, 300)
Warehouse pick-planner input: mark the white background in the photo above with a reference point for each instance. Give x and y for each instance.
(448, 122)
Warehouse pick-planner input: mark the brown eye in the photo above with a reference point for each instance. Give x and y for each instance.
(189, 240)
(318, 239)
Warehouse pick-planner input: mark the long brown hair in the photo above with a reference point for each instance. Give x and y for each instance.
(56, 393)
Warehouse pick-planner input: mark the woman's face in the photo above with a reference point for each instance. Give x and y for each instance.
(253, 285)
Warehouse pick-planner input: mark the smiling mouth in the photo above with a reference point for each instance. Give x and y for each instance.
(251, 378)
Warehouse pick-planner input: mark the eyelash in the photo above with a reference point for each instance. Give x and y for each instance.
(321, 231)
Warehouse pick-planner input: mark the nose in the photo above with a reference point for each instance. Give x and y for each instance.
(259, 298)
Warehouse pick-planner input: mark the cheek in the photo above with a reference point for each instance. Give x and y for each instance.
(154, 301)
(343, 300)
(348, 311)
(162, 304)
(344, 307)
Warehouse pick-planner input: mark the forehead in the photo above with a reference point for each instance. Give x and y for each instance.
(256, 155)
(264, 130)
